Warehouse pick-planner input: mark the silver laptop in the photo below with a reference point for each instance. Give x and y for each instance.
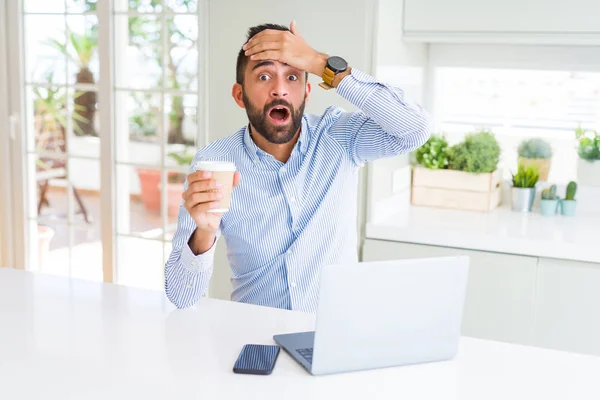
(383, 314)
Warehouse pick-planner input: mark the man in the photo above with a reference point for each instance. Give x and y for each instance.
(294, 205)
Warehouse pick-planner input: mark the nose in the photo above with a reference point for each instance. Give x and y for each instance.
(279, 89)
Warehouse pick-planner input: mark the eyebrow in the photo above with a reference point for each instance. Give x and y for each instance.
(267, 63)
(263, 64)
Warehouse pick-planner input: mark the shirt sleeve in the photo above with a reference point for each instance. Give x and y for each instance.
(386, 124)
(187, 276)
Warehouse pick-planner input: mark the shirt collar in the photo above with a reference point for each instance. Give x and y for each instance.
(254, 150)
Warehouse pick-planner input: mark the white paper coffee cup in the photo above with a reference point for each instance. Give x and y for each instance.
(223, 173)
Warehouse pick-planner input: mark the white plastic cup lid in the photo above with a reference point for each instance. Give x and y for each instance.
(215, 166)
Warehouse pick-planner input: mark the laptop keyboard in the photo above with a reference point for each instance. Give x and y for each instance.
(306, 353)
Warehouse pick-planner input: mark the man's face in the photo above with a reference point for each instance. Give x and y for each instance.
(274, 95)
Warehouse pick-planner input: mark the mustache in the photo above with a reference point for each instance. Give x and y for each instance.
(279, 102)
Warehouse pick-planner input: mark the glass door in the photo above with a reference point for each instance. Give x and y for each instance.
(109, 113)
(62, 137)
(157, 50)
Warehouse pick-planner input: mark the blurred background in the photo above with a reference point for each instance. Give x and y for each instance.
(103, 104)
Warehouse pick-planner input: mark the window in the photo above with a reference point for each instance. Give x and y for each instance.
(517, 104)
(153, 52)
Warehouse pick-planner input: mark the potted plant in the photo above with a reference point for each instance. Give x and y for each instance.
(176, 181)
(465, 176)
(549, 201)
(478, 153)
(536, 151)
(523, 190)
(567, 205)
(588, 164)
(434, 153)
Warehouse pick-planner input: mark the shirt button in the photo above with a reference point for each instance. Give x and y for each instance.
(255, 160)
(293, 284)
(283, 170)
(293, 199)
(289, 251)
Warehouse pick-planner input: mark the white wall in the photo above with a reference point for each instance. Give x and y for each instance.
(404, 65)
(336, 27)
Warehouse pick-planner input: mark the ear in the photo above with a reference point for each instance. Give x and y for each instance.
(307, 92)
(236, 93)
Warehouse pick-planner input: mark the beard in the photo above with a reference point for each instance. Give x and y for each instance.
(273, 133)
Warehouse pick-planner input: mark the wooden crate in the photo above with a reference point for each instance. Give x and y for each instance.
(456, 189)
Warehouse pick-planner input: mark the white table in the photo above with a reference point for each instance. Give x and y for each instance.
(69, 339)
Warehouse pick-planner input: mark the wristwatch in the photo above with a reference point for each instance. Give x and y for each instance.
(334, 66)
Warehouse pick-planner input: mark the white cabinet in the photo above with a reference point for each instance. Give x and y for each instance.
(500, 292)
(568, 21)
(567, 312)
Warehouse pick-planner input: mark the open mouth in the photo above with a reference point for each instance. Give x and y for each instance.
(279, 115)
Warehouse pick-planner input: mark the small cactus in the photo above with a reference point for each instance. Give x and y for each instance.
(546, 194)
(571, 190)
(549, 193)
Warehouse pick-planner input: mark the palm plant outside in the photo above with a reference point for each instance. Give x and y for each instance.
(144, 34)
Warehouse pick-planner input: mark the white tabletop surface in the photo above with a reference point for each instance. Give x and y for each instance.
(501, 230)
(68, 339)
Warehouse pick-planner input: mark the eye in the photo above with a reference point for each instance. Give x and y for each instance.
(293, 78)
(264, 77)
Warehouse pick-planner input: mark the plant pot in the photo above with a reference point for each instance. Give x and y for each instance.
(174, 200)
(567, 207)
(149, 181)
(45, 235)
(588, 172)
(150, 187)
(549, 207)
(458, 190)
(522, 199)
(543, 165)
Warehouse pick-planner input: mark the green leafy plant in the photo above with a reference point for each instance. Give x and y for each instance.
(535, 148)
(434, 153)
(145, 33)
(478, 153)
(588, 144)
(81, 49)
(549, 193)
(571, 190)
(526, 177)
(183, 159)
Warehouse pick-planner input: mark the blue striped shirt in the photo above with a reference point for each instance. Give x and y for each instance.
(286, 220)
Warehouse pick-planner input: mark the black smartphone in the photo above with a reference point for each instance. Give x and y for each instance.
(257, 359)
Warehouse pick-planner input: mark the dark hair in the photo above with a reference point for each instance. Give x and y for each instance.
(242, 60)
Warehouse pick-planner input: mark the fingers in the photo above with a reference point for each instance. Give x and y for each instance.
(294, 29)
(203, 207)
(273, 55)
(201, 186)
(267, 32)
(262, 46)
(198, 176)
(199, 198)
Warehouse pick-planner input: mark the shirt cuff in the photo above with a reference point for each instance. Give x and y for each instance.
(198, 263)
(357, 87)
